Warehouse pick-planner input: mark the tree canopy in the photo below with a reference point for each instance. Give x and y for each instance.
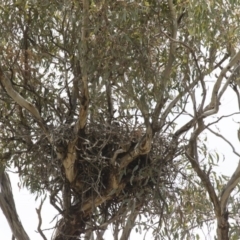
(105, 106)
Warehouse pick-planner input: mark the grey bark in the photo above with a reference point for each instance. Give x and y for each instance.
(7, 205)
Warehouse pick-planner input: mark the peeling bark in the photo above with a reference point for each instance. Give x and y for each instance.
(69, 161)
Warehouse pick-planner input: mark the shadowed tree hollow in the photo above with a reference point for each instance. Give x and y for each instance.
(105, 106)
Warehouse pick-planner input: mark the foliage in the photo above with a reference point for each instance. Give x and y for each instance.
(104, 105)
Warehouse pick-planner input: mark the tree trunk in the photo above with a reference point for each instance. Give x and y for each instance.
(223, 227)
(7, 205)
(70, 229)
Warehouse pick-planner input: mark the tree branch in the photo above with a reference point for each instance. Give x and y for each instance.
(69, 161)
(38, 210)
(143, 147)
(232, 183)
(175, 101)
(23, 103)
(229, 143)
(84, 69)
(168, 68)
(201, 174)
(129, 223)
(213, 106)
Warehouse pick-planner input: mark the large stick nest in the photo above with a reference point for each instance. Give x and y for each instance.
(96, 147)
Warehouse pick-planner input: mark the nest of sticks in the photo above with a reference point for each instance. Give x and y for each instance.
(96, 147)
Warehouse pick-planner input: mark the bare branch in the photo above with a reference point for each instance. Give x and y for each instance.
(38, 210)
(219, 119)
(229, 143)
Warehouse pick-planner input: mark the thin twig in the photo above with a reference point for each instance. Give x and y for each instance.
(220, 136)
(38, 210)
(220, 118)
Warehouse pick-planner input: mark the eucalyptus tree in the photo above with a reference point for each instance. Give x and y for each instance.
(103, 107)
